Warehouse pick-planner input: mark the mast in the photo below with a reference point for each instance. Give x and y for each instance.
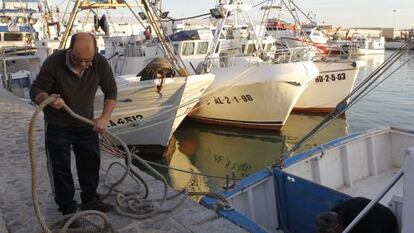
(69, 25)
(155, 21)
(88, 5)
(226, 8)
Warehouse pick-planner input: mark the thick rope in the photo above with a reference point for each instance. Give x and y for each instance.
(131, 205)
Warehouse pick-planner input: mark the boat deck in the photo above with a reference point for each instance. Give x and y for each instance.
(16, 208)
(371, 186)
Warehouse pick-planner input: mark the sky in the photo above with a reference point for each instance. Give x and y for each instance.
(344, 13)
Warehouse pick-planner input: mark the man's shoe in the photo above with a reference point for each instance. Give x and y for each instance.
(98, 205)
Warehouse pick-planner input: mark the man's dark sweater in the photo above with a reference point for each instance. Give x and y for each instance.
(78, 92)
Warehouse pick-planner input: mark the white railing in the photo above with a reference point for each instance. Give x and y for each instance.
(232, 60)
(287, 55)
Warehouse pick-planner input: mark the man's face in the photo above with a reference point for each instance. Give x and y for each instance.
(81, 59)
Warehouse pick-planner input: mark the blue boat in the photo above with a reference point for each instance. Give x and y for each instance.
(358, 165)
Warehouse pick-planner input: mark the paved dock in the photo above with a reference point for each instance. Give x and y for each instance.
(16, 208)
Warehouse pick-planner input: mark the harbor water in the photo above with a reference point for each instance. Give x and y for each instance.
(236, 153)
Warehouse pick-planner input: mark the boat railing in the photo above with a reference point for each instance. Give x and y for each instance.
(287, 55)
(232, 60)
(279, 56)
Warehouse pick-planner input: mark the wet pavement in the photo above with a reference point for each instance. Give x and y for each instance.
(16, 207)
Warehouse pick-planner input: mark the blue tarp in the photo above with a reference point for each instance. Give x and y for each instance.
(185, 35)
(299, 202)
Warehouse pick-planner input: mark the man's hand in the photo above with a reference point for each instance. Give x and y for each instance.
(100, 124)
(58, 103)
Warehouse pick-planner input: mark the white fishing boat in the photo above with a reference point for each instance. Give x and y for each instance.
(313, 36)
(146, 116)
(253, 93)
(23, 22)
(248, 91)
(151, 106)
(149, 109)
(335, 81)
(366, 45)
(359, 165)
(336, 76)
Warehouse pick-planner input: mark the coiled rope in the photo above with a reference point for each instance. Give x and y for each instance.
(130, 205)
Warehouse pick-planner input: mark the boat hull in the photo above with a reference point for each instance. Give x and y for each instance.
(255, 96)
(144, 116)
(335, 81)
(361, 51)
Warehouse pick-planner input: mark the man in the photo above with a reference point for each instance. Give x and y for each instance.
(379, 219)
(72, 76)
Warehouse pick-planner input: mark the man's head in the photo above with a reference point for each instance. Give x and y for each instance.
(82, 50)
(328, 222)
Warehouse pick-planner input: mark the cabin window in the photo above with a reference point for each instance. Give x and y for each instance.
(202, 47)
(21, 19)
(4, 19)
(13, 37)
(188, 48)
(176, 49)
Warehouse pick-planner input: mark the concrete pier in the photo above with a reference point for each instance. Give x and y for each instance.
(16, 207)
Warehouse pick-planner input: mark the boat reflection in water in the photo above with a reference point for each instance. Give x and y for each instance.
(300, 124)
(221, 151)
(371, 63)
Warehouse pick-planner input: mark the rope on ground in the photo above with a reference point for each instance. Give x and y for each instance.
(131, 205)
(35, 197)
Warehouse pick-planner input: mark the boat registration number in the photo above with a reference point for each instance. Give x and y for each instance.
(330, 78)
(233, 99)
(124, 120)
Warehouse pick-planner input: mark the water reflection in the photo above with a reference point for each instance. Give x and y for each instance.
(371, 62)
(300, 124)
(392, 102)
(221, 151)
